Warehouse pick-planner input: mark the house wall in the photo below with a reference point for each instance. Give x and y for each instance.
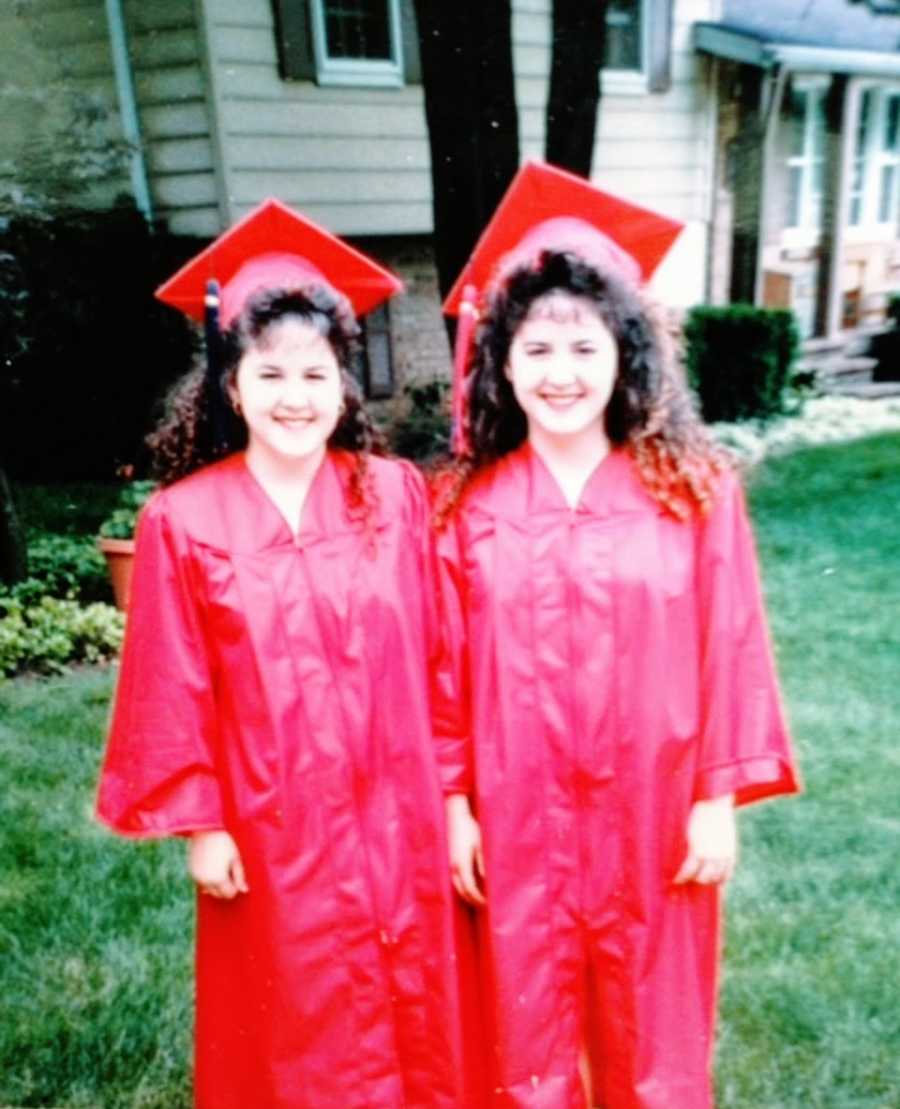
(58, 63)
(655, 148)
(58, 106)
(357, 159)
(165, 46)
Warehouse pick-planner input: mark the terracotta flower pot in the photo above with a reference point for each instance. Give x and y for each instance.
(119, 558)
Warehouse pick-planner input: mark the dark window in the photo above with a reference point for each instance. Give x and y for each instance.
(357, 29)
(376, 371)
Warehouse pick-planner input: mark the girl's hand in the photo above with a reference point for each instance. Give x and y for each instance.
(466, 858)
(215, 864)
(712, 843)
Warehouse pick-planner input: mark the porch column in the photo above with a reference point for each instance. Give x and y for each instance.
(773, 94)
(842, 109)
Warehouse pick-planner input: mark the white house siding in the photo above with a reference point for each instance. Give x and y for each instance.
(655, 148)
(357, 158)
(166, 57)
(56, 59)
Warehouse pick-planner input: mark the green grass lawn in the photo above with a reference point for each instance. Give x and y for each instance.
(95, 934)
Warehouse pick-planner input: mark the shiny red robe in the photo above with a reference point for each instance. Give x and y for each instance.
(615, 666)
(278, 687)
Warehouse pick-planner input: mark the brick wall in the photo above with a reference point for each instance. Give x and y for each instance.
(420, 346)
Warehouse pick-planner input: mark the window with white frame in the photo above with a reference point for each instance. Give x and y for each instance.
(805, 107)
(357, 41)
(875, 185)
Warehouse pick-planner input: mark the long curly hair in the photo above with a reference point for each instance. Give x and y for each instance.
(183, 440)
(650, 411)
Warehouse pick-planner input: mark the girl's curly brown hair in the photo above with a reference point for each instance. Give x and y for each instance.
(650, 412)
(183, 441)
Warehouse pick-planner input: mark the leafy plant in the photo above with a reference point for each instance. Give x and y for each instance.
(44, 635)
(423, 432)
(122, 521)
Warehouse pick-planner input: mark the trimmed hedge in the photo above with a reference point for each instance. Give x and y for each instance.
(739, 360)
(85, 350)
(886, 346)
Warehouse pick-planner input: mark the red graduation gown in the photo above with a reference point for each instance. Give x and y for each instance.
(615, 667)
(278, 688)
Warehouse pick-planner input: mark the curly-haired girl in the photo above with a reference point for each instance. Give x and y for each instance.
(600, 591)
(273, 704)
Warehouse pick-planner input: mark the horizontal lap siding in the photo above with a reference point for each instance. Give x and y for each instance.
(56, 63)
(654, 147)
(169, 82)
(355, 159)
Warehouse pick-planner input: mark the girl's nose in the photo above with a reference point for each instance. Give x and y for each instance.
(295, 394)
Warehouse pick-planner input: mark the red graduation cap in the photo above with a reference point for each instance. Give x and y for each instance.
(546, 208)
(274, 247)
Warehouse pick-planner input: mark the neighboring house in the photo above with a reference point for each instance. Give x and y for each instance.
(319, 102)
(807, 199)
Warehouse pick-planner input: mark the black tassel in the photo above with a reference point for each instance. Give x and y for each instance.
(216, 403)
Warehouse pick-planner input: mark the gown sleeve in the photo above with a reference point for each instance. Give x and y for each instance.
(159, 775)
(449, 670)
(745, 748)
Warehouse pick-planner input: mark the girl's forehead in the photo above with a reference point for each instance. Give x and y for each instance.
(561, 306)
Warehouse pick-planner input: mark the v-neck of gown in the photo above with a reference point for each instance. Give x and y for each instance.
(546, 492)
(320, 513)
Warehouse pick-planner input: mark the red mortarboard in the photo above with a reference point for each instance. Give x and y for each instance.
(274, 247)
(540, 193)
(546, 208)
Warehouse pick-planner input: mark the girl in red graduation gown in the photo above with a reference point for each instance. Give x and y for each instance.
(272, 706)
(600, 584)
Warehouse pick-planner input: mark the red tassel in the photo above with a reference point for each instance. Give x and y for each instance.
(465, 328)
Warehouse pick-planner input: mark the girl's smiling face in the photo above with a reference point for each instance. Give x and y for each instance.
(288, 390)
(562, 365)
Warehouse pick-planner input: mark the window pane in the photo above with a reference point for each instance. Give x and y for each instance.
(623, 34)
(892, 125)
(819, 129)
(887, 205)
(863, 123)
(795, 184)
(357, 29)
(796, 125)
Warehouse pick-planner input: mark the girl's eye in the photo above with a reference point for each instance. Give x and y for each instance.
(585, 348)
(269, 375)
(536, 350)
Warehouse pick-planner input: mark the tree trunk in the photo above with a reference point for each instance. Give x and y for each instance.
(473, 129)
(12, 546)
(579, 38)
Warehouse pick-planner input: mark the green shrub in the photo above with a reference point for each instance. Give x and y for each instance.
(68, 566)
(739, 360)
(423, 432)
(44, 635)
(122, 521)
(886, 346)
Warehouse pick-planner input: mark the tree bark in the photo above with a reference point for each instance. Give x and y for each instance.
(473, 129)
(12, 546)
(579, 38)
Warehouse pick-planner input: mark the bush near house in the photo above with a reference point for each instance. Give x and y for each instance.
(739, 360)
(886, 346)
(85, 350)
